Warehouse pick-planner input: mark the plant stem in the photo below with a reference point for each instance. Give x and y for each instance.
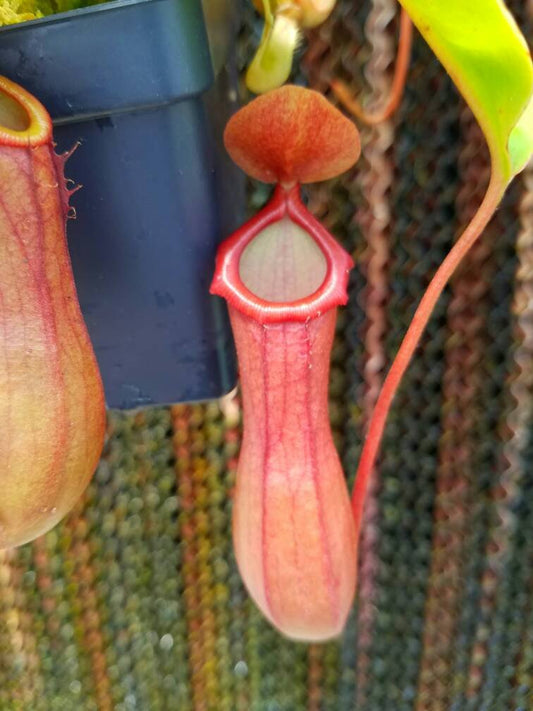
(344, 95)
(409, 344)
(267, 12)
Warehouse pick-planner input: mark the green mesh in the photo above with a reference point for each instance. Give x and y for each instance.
(135, 602)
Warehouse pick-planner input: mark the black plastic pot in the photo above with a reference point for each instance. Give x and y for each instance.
(132, 81)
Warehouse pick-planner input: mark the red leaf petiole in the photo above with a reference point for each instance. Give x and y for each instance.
(412, 337)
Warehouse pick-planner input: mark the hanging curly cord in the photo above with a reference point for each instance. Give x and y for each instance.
(351, 104)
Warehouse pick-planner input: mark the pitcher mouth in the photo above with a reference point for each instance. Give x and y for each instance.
(23, 119)
(332, 291)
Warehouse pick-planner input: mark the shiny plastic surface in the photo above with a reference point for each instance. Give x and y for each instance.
(132, 82)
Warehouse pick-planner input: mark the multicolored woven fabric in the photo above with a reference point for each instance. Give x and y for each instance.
(135, 602)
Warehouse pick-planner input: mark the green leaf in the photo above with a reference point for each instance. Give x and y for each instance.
(482, 49)
(521, 140)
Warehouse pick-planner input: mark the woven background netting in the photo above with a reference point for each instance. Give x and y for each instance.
(135, 602)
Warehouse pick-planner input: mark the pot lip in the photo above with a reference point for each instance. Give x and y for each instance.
(62, 58)
(331, 293)
(59, 17)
